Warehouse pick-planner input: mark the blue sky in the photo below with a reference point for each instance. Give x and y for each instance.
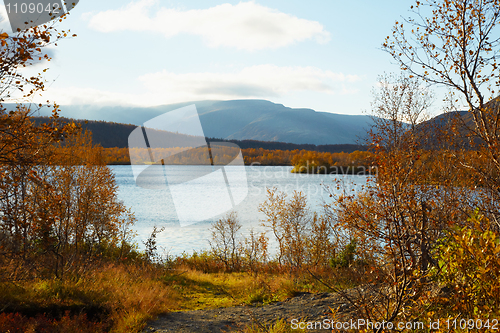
(323, 55)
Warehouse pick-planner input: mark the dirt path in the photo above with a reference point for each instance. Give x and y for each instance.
(304, 307)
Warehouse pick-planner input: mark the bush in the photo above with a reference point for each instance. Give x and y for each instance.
(469, 259)
(225, 244)
(346, 257)
(233, 251)
(302, 237)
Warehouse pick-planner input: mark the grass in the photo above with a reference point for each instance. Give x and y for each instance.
(122, 297)
(114, 298)
(133, 295)
(201, 290)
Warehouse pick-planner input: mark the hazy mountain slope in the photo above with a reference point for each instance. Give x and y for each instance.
(225, 119)
(245, 120)
(305, 126)
(267, 121)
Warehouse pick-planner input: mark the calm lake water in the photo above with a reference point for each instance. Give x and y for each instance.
(156, 207)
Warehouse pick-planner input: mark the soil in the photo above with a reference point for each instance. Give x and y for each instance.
(305, 307)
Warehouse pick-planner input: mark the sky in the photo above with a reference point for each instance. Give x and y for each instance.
(324, 55)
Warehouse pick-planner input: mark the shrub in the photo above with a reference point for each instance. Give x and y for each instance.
(302, 237)
(225, 244)
(346, 257)
(469, 259)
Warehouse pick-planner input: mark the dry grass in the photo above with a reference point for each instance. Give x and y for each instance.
(122, 297)
(133, 294)
(202, 290)
(114, 297)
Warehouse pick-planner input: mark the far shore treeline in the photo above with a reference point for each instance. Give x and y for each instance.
(297, 158)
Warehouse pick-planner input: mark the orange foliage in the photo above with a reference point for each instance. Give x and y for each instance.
(255, 156)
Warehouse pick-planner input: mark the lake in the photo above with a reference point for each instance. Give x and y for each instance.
(156, 207)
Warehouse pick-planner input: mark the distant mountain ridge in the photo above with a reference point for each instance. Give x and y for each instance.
(111, 135)
(259, 120)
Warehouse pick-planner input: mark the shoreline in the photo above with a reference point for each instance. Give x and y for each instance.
(332, 170)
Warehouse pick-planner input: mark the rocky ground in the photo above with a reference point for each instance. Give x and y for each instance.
(305, 307)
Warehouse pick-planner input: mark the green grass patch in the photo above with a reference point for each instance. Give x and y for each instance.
(199, 290)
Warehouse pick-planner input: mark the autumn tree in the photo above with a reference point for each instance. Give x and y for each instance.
(255, 250)
(303, 238)
(62, 214)
(232, 249)
(289, 221)
(455, 44)
(59, 210)
(18, 51)
(423, 186)
(399, 216)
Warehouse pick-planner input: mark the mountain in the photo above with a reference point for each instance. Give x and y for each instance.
(110, 135)
(437, 130)
(244, 120)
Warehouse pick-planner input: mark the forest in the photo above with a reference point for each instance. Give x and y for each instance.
(420, 243)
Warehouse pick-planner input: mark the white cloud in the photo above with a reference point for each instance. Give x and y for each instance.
(86, 96)
(263, 81)
(255, 81)
(246, 26)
